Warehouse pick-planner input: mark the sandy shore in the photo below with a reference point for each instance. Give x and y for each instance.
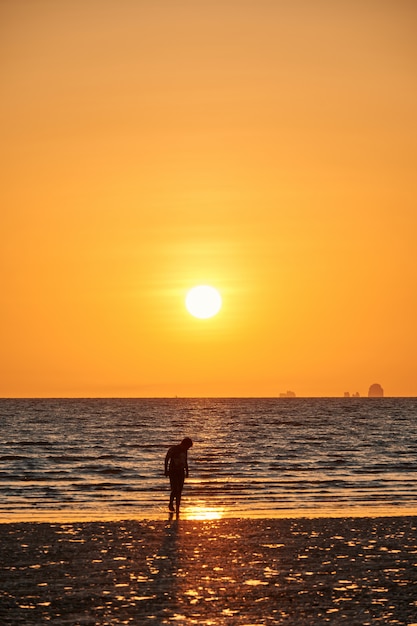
(354, 571)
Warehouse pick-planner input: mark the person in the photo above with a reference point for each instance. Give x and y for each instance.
(176, 467)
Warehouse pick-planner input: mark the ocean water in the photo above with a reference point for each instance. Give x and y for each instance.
(258, 457)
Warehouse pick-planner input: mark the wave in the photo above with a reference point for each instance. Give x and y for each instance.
(29, 443)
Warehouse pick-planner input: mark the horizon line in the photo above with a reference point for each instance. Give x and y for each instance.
(206, 397)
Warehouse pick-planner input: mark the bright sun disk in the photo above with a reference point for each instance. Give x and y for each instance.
(203, 301)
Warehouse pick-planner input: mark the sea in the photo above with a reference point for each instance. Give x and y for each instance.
(258, 457)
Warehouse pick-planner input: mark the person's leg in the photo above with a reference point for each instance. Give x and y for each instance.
(180, 486)
(173, 492)
(177, 508)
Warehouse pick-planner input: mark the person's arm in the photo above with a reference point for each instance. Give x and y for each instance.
(186, 465)
(167, 457)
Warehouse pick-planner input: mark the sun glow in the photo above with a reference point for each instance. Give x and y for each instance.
(203, 301)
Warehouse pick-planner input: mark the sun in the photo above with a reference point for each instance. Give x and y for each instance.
(203, 301)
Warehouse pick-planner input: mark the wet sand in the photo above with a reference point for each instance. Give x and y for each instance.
(355, 571)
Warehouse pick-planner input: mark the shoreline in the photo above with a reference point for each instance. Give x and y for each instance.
(201, 512)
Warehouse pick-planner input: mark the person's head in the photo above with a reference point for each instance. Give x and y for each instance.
(186, 443)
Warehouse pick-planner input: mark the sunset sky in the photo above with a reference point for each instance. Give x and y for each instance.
(267, 148)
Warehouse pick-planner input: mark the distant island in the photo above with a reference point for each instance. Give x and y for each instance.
(287, 394)
(375, 391)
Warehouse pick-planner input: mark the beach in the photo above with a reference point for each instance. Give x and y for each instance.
(350, 570)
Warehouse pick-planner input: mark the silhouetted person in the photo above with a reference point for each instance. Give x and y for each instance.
(176, 467)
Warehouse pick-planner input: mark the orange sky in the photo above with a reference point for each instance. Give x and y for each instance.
(267, 148)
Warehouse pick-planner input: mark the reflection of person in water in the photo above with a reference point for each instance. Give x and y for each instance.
(176, 467)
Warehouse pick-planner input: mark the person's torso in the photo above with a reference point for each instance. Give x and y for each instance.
(178, 459)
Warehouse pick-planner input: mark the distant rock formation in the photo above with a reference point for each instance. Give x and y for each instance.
(287, 394)
(354, 395)
(375, 391)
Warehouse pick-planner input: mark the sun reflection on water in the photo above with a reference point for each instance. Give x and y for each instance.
(201, 512)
